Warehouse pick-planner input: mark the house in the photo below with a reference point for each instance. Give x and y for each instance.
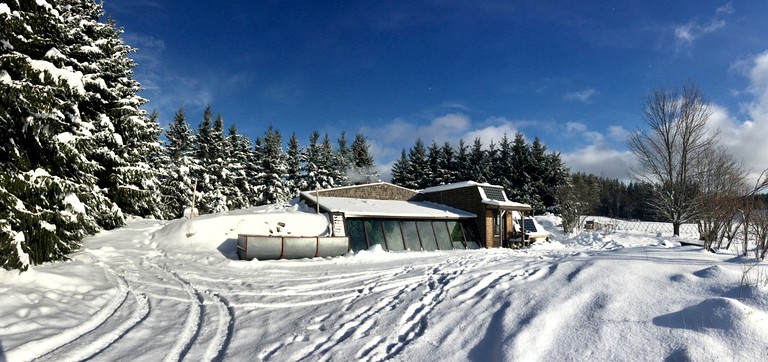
(456, 216)
(394, 217)
(500, 222)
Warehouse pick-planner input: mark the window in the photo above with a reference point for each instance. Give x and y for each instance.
(457, 236)
(443, 237)
(414, 235)
(473, 241)
(393, 235)
(427, 235)
(356, 234)
(375, 233)
(411, 235)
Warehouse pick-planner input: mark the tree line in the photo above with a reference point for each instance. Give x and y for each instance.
(219, 172)
(79, 154)
(528, 172)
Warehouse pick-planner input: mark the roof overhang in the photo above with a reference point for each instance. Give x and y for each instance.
(508, 205)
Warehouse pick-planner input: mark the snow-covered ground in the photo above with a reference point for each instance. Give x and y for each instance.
(175, 290)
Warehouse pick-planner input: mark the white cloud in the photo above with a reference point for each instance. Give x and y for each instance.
(583, 96)
(387, 141)
(492, 133)
(688, 33)
(575, 127)
(600, 160)
(725, 9)
(618, 132)
(600, 156)
(746, 139)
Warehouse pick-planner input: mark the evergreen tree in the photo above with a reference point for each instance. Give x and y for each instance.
(520, 179)
(313, 163)
(363, 166)
(295, 160)
(128, 139)
(400, 171)
(502, 167)
(76, 145)
(343, 159)
(418, 167)
(479, 169)
(179, 183)
(274, 188)
(203, 142)
(447, 171)
(209, 153)
(330, 175)
(462, 163)
(237, 185)
(433, 159)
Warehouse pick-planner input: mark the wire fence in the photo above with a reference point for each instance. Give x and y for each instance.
(607, 224)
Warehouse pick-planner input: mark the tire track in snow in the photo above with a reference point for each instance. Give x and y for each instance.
(196, 326)
(83, 348)
(191, 326)
(222, 332)
(44, 346)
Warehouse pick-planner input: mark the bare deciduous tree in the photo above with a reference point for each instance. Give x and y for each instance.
(721, 185)
(753, 211)
(669, 151)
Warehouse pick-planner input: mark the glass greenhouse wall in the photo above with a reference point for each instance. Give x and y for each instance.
(410, 234)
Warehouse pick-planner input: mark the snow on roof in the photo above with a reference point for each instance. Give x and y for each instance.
(485, 199)
(389, 208)
(508, 204)
(453, 186)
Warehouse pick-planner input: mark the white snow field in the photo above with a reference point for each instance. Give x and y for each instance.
(158, 290)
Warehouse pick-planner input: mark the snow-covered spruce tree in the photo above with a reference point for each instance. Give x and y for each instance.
(433, 157)
(447, 171)
(209, 142)
(49, 193)
(237, 184)
(295, 158)
(329, 174)
(217, 197)
(400, 168)
(179, 182)
(363, 166)
(548, 172)
(418, 167)
(520, 177)
(274, 188)
(312, 164)
(343, 159)
(502, 166)
(462, 163)
(127, 139)
(319, 172)
(479, 162)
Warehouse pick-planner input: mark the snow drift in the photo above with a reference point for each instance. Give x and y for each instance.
(171, 290)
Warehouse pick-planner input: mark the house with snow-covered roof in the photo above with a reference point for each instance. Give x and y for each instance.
(500, 222)
(394, 217)
(456, 216)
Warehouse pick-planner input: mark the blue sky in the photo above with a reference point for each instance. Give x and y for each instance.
(572, 73)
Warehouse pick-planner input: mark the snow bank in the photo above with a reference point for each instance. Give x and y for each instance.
(217, 233)
(156, 289)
